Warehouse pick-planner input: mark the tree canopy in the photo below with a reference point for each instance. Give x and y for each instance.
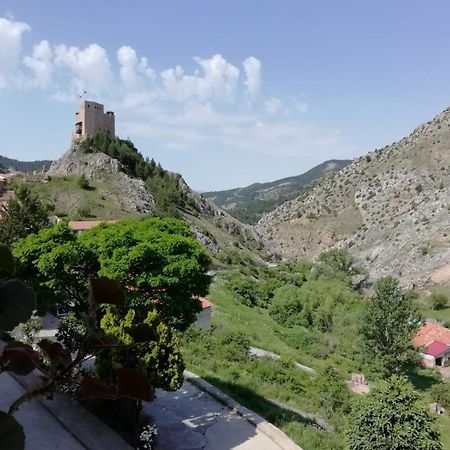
(158, 261)
(391, 417)
(25, 214)
(390, 321)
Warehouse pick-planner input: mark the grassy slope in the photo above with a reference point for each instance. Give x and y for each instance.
(100, 201)
(250, 383)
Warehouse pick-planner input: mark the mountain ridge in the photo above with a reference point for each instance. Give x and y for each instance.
(390, 208)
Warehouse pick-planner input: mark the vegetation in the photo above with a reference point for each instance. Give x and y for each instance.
(25, 214)
(392, 417)
(24, 166)
(157, 260)
(438, 300)
(259, 198)
(390, 320)
(164, 186)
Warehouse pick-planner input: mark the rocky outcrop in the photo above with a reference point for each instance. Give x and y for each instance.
(130, 192)
(390, 208)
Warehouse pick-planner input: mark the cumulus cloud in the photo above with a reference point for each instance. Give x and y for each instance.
(252, 68)
(40, 64)
(272, 105)
(10, 49)
(134, 71)
(89, 68)
(218, 82)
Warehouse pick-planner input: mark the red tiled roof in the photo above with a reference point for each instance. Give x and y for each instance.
(430, 332)
(204, 301)
(436, 348)
(81, 225)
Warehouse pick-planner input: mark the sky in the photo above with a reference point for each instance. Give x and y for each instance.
(225, 93)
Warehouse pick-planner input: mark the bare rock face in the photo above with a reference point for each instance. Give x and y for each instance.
(389, 208)
(130, 192)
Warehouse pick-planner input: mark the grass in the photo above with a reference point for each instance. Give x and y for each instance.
(100, 201)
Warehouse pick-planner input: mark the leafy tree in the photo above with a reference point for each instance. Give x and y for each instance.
(25, 214)
(390, 321)
(440, 394)
(157, 260)
(392, 417)
(83, 182)
(438, 300)
(58, 266)
(315, 304)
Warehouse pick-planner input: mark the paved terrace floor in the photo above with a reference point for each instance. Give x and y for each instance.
(190, 419)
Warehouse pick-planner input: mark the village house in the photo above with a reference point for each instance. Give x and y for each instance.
(434, 341)
(5, 194)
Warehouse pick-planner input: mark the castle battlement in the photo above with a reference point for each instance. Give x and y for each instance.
(92, 118)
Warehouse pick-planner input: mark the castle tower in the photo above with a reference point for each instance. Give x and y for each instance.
(92, 118)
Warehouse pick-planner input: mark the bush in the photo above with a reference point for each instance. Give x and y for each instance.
(155, 354)
(438, 300)
(83, 182)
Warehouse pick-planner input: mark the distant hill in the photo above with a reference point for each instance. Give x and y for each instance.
(390, 208)
(248, 204)
(24, 166)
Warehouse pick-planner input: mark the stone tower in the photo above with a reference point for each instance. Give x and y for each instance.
(92, 118)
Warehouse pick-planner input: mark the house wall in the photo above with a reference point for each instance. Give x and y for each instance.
(427, 360)
(204, 318)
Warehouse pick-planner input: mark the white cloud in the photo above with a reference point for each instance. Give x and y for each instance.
(133, 70)
(252, 68)
(89, 68)
(219, 81)
(272, 105)
(41, 64)
(10, 48)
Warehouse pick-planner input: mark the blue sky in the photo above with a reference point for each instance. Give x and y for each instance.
(226, 93)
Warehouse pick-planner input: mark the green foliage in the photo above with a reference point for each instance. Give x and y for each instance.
(155, 350)
(24, 166)
(71, 332)
(313, 305)
(339, 261)
(390, 321)
(438, 300)
(392, 417)
(164, 186)
(333, 393)
(156, 260)
(57, 265)
(17, 300)
(440, 394)
(25, 214)
(83, 182)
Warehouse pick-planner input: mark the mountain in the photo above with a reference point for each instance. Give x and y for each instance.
(248, 204)
(129, 186)
(390, 208)
(24, 166)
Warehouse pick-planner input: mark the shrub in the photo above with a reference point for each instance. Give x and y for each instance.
(83, 182)
(438, 300)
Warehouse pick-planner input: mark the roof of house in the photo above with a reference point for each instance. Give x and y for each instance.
(430, 332)
(204, 301)
(81, 225)
(436, 348)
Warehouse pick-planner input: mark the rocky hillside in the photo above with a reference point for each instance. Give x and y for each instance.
(130, 193)
(390, 208)
(250, 203)
(113, 193)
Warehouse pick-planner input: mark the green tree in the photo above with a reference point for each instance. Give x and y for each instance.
(25, 214)
(392, 417)
(158, 261)
(440, 394)
(389, 323)
(83, 182)
(438, 300)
